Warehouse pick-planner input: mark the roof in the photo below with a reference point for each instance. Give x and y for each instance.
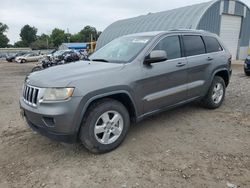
(182, 31)
(185, 18)
(75, 45)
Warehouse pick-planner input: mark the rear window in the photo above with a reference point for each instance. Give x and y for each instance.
(194, 45)
(212, 44)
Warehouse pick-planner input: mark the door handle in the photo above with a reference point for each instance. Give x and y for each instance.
(180, 64)
(210, 58)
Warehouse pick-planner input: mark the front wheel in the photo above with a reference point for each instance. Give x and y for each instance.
(37, 68)
(216, 94)
(23, 61)
(105, 126)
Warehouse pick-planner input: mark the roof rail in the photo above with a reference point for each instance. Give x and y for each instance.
(187, 30)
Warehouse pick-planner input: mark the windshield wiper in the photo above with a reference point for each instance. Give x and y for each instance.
(101, 60)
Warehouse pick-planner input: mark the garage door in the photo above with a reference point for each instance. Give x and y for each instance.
(230, 32)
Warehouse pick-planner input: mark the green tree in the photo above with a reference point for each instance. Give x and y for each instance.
(20, 44)
(58, 36)
(28, 34)
(98, 34)
(3, 38)
(76, 38)
(86, 33)
(39, 45)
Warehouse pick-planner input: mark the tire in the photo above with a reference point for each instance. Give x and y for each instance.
(215, 98)
(94, 139)
(247, 73)
(23, 61)
(37, 68)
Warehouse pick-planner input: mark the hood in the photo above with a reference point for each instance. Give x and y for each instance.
(62, 75)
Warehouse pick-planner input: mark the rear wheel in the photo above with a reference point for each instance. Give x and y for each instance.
(105, 126)
(216, 94)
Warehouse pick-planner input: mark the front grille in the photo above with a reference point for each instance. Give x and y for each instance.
(30, 95)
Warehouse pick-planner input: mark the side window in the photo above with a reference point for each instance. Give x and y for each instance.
(212, 44)
(194, 45)
(171, 45)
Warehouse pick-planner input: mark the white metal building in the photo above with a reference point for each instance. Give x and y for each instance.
(230, 19)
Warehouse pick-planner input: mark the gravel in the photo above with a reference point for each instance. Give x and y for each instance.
(185, 147)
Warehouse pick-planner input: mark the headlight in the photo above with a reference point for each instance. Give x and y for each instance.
(57, 94)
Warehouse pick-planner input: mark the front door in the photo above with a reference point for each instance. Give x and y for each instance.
(165, 83)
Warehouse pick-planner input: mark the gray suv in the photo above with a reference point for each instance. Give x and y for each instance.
(127, 80)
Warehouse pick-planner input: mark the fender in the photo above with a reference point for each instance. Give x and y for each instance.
(84, 104)
(215, 72)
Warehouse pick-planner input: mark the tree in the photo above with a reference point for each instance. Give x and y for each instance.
(98, 34)
(20, 44)
(28, 34)
(39, 45)
(3, 38)
(76, 38)
(86, 33)
(43, 42)
(58, 36)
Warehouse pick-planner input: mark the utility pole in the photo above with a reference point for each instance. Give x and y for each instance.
(68, 37)
(91, 43)
(47, 41)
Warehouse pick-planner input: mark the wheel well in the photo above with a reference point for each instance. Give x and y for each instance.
(125, 100)
(223, 74)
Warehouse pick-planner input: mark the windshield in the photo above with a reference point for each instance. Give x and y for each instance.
(121, 50)
(26, 55)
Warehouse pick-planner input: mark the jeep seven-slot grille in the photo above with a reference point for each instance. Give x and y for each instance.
(30, 95)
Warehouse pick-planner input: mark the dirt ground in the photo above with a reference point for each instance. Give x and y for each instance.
(186, 147)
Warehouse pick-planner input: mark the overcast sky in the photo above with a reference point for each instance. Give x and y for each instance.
(75, 14)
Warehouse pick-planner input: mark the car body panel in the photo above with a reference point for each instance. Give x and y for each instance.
(151, 88)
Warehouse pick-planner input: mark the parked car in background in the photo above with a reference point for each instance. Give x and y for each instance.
(71, 56)
(247, 66)
(57, 58)
(2, 56)
(30, 57)
(66, 55)
(12, 57)
(127, 80)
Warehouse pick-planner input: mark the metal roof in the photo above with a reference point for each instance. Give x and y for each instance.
(184, 18)
(75, 45)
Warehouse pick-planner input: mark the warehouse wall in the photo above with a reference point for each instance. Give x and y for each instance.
(211, 21)
(239, 9)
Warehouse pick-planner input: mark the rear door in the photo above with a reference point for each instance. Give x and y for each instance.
(165, 83)
(198, 64)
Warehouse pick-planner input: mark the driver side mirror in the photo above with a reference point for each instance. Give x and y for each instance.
(156, 56)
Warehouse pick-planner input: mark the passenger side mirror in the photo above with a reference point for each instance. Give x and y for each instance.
(156, 56)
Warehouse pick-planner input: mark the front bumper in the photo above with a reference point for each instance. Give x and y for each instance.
(57, 121)
(247, 66)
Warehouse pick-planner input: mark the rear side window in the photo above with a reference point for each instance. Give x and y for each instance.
(194, 45)
(212, 44)
(171, 45)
